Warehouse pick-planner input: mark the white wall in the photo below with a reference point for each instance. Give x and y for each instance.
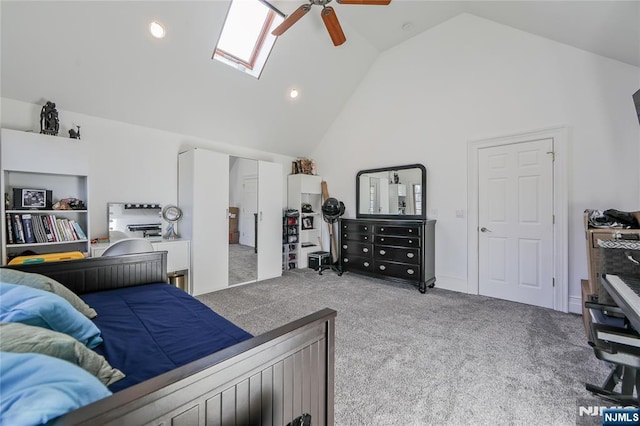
(128, 163)
(468, 79)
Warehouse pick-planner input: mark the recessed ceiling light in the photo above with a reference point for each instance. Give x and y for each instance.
(156, 29)
(293, 93)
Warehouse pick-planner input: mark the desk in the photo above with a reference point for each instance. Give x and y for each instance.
(178, 255)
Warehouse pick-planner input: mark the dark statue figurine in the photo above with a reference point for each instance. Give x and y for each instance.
(49, 124)
(74, 134)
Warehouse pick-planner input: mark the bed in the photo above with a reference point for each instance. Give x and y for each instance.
(269, 379)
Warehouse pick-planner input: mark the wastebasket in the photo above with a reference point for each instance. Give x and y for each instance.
(178, 280)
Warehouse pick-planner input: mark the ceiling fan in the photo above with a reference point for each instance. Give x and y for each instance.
(328, 16)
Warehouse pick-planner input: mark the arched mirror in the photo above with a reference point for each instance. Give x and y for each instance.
(243, 223)
(392, 192)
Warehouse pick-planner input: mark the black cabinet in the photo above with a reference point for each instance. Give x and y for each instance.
(399, 250)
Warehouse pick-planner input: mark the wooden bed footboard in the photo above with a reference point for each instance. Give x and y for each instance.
(270, 379)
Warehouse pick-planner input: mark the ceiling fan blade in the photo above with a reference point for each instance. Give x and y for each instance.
(291, 19)
(333, 26)
(371, 2)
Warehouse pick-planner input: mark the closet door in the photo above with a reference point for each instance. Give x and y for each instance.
(269, 220)
(203, 196)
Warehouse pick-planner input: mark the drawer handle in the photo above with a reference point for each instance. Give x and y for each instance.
(366, 250)
(411, 231)
(345, 260)
(344, 246)
(381, 239)
(410, 241)
(410, 271)
(382, 252)
(366, 228)
(630, 257)
(366, 264)
(381, 229)
(382, 267)
(410, 255)
(366, 238)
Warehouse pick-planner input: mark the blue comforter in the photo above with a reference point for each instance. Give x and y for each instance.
(151, 329)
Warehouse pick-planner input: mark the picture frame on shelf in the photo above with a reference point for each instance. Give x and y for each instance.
(307, 223)
(31, 199)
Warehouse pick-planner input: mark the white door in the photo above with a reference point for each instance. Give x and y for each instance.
(249, 208)
(269, 220)
(203, 195)
(515, 221)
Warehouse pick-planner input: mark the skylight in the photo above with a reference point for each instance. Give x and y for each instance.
(246, 39)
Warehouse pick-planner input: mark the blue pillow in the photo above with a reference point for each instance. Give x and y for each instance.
(26, 305)
(37, 388)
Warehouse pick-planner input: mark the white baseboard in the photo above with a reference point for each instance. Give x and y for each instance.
(451, 283)
(575, 305)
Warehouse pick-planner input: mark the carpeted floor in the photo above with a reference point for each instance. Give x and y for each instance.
(403, 358)
(243, 264)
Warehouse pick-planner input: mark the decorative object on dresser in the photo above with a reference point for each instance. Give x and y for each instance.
(384, 240)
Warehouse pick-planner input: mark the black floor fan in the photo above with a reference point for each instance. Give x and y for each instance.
(332, 209)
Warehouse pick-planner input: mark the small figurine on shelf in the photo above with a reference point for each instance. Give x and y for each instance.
(49, 123)
(74, 134)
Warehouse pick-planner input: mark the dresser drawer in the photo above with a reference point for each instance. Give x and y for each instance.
(361, 228)
(398, 254)
(408, 231)
(355, 236)
(397, 241)
(356, 262)
(398, 270)
(357, 249)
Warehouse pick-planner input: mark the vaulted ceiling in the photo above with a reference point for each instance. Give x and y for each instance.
(96, 58)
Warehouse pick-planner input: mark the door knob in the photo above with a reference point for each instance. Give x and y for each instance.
(483, 229)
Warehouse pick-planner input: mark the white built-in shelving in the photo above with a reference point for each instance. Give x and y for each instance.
(306, 189)
(30, 160)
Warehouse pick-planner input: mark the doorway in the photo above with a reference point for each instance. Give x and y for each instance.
(243, 208)
(517, 189)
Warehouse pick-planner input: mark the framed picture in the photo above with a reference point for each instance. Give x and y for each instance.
(307, 223)
(31, 199)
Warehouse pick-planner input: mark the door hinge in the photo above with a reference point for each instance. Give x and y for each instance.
(553, 219)
(553, 281)
(553, 155)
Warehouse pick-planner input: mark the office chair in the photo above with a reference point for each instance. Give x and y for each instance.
(128, 246)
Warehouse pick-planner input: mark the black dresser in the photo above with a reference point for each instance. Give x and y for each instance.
(398, 250)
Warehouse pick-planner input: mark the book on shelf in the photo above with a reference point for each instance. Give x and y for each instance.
(17, 226)
(27, 225)
(47, 229)
(79, 230)
(42, 228)
(10, 239)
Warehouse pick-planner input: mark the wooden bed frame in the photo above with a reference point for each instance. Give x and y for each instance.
(270, 379)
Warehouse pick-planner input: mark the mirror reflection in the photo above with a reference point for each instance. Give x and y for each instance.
(134, 220)
(243, 212)
(391, 192)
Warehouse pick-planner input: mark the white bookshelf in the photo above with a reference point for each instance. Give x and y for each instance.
(303, 189)
(30, 160)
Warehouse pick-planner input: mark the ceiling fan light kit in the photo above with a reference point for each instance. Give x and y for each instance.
(328, 15)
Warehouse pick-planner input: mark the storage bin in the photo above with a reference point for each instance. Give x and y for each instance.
(317, 259)
(618, 257)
